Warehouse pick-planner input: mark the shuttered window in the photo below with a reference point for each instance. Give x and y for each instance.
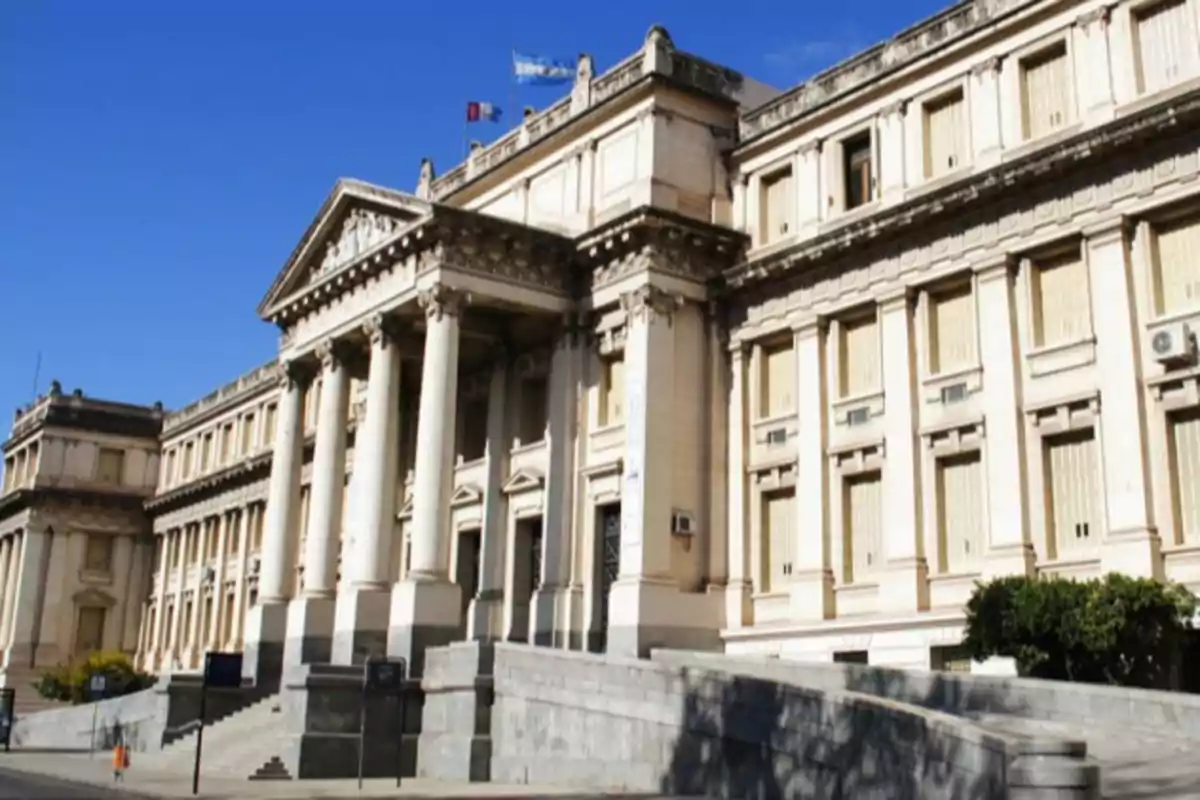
(1074, 484)
(776, 201)
(247, 434)
(778, 380)
(1177, 256)
(1046, 94)
(613, 386)
(268, 429)
(110, 466)
(863, 516)
(860, 357)
(89, 633)
(960, 512)
(777, 521)
(1166, 43)
(945, 134)
(1185, 474)
(951, 330)
(1062, 313)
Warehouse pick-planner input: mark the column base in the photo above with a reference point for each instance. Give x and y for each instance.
(645, 614)
(1135, 552)
(904, 587)
(1007, 560)
(549, 610)
(266, 629)
(812, 597)
(309, 631)
(485, 616)
(360, 625)
(424, 614)
(738, 608)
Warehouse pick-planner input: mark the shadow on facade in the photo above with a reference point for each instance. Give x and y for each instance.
(743, 737)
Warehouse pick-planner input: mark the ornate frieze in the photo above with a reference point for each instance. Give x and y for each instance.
(362, 231)
(650, 304)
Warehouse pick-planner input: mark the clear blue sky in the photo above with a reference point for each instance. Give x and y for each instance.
(159, 160)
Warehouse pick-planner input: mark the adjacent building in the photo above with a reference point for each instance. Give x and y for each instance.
(685, 361)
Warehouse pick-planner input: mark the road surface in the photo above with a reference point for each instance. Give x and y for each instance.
(26, 786)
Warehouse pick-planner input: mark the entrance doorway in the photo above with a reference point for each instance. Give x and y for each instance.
(526, 575)
(466, 569)
(608, 566)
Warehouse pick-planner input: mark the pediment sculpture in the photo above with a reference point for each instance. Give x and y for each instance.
(362, 231)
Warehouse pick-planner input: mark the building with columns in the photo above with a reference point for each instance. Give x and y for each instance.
(685, 361)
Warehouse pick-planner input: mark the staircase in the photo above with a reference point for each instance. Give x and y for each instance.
(238, 746)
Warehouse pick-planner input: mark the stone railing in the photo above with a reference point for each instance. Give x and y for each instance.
(247, 383)
(28, 417)
(906, 47)
(549, 717)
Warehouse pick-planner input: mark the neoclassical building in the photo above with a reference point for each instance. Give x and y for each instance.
(686, 361)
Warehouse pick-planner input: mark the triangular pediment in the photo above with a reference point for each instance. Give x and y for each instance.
(523, 480)
(357, 219)
(466, 495)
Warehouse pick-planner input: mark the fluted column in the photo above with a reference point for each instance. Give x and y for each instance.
(737, 591)
(267, 623)
(487, 607)
(7, 555)
(16, 556)
(426, 606)
(239, 591)
(213, 640)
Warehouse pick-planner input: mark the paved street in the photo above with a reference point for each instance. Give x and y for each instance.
(26, 786)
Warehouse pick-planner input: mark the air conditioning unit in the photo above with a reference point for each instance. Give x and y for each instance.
(955, 393)
(857, 416)
(682, 523)
(777, 436)
(1172, 344)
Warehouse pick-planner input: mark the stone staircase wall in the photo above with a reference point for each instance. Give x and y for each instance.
(237, 746)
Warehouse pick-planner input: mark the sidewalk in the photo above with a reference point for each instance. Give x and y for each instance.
(143, 779)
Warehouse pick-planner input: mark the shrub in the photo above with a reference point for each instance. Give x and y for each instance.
(70, 682)
(1117, 630)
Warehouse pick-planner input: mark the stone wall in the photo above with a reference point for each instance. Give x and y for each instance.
(1109, 707)
(574, 719)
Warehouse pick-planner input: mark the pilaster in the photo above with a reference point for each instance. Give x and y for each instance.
(1094, 59)
(892, 161)
(486, 611)
(1131, 543)
(987, 129)
(809, 188)
(739, 587)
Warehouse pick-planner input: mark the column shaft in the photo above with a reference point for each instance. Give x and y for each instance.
(239, 591)
(486, 611)
(737, 600)
(328, 477)
(283, 499)
(812, 587)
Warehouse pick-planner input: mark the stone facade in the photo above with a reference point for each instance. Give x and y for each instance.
(686, 362)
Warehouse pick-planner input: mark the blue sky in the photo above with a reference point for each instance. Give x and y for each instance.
(159, 160)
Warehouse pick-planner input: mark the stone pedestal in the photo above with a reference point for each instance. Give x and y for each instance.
(904, 587)
(360, 625)
(549, 609)
(811, 596)
(424, 614)
(323, 707)
(266, 629)
(456, 728)
(309, 631)
(646, 614)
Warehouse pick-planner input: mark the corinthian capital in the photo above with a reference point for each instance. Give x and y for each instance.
(333, 354)
(440, 300)
(293, 374)
(650, 303)
(381, 329)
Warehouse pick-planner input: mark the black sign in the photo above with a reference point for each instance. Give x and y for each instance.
(384, 676)
(8, 699)
(223, 670)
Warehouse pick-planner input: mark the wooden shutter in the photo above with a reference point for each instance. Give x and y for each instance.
(944, 128)
(1074, 484)
(952, 330)
(779, 380)
(777, 206)
(1185, 474)
(1046, 92)
(860, 357)
(1177, 254)
(864, 527)
(778, 514)
(614, 391)
(89, 633)
(960, 497)
(1062, 308)
(1166, 45)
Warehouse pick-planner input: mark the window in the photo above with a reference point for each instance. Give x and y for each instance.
(860, 357)
(1176, 256)
(1185, 475)
(534, 411)
(226, 443)
(858, 170)
(1166, 44)
(951, 330)
(778, 380)
(89, 630)
(206, 452)
(98, 555)
(31, 465)
(176, 545)
(863, 522)
(1046, 95)
(945, 135)
(193, 550)
(474, 422)
(960, 512)
(612, 388)
(950, 658)
(268, 434)
(1061, 310)
(189, 459)
(10, 468)
(247, 434)
(1073, 517)
(110, 466)
(256, 527)
(777, 525)
(776, 210)
(169, 469)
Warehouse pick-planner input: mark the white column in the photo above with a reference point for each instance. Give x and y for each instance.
(986, 124)
(16, 546)
(1131, 542)
(328, 475)
(6, 559)
(435, 437)
(283, 493)
(240, 588)
(487, 607)
(193, 639)
(737, 597)
(213, 640)
(174, 638)
(904, 587)
(812, 580)
(1008, 548)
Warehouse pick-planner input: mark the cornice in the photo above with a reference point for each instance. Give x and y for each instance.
(1073, 154)
(41, 496)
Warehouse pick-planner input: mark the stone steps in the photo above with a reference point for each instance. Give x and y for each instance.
(242, 745)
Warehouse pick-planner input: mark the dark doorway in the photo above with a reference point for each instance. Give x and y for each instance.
(526, 575)
(466, 570)
(608, 566)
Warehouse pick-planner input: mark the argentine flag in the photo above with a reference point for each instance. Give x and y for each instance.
(542, 71)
